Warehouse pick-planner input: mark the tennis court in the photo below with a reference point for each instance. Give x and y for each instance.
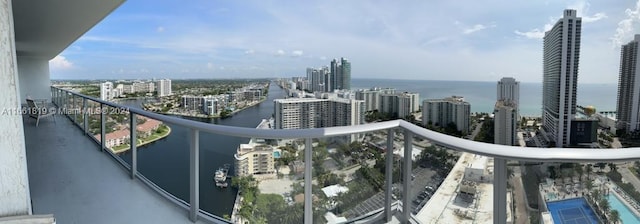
(572, 211)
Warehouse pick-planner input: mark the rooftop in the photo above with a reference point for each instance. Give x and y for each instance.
(446, 206)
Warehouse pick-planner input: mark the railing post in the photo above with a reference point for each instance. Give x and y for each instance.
(308, 195)
(194, 170)
(133, 124)
(406, 188)
(499, 190)
(75, 110)
(103, 127)
(388, 173)
(65, 102)
(85, 116)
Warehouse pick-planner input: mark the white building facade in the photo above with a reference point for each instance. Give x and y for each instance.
(106, 91)
(505, 120)
(628, 105)
(508, 89)
(561, 55)
(163, 87)
(299, 113)
(441, 112)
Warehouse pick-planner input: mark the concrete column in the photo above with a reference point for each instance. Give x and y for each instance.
(388, 173)
(34, 78)
(406, 185)
(194, 175)
(499, 191)
(15, 197)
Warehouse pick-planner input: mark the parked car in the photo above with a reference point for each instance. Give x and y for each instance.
(429, 189)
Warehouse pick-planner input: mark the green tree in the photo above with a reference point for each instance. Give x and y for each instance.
(614, 216)
(589, 169)
(578, 169)
(604, 205)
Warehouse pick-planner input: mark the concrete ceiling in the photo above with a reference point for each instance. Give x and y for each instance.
(44, 28)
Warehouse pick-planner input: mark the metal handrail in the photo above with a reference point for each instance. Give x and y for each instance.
(460, 144)
(500, 153)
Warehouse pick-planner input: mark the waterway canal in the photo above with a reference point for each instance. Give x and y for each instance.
(166, 162)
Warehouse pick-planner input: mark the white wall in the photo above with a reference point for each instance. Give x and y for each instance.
(14, 181)
(33, 75)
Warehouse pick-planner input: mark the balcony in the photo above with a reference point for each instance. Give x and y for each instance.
(71, 178)
(67, 166)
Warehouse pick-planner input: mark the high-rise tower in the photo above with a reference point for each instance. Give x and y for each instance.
(561, 54)
(345, 67)
(508, 90)
(628, 108)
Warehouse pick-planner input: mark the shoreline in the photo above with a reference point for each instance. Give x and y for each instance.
(199, 115)
(142, 143)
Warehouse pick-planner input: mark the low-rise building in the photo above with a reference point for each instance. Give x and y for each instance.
(255, 159)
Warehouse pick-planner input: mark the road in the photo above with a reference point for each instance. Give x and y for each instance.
(521, 212)
(629, 177)
(476, 131)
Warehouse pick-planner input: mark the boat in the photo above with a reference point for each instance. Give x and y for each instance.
(221, 176)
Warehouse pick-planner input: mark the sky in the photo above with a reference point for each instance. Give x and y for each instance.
(413, 39)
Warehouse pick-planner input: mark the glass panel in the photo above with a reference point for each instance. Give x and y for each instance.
(94, 112)
(359, 165)
(268, 176)
(77, 109)
(117, 135)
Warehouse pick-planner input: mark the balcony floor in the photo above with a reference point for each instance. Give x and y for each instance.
(70, 178)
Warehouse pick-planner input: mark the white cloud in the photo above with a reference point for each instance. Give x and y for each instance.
(280, 52)
(476, 28)
(60, 62)
(537, 33)
(250, 51)
(531, 34)
(160, 29)
(297, 53)
(437, 40)
(324, 58)
(625, 27)
(209, 65)
(596, 17)
(582, 8)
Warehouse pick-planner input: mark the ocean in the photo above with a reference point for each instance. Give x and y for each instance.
(482, 95)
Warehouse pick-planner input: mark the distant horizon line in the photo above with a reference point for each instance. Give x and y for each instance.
(271, 78)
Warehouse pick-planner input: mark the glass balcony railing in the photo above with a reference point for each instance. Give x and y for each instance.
(384, 171)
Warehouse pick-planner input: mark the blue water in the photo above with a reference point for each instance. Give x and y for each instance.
(276, 154)
(572, 211)
(482, 95)
(626, 215)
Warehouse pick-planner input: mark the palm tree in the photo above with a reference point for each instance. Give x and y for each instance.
(604, 205)
(579, 170)
(589, 185)
(595, 195)
(614, 216)
(589, 170)
(613, 167)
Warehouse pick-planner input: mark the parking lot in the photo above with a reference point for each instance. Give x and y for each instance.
(424, 176)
